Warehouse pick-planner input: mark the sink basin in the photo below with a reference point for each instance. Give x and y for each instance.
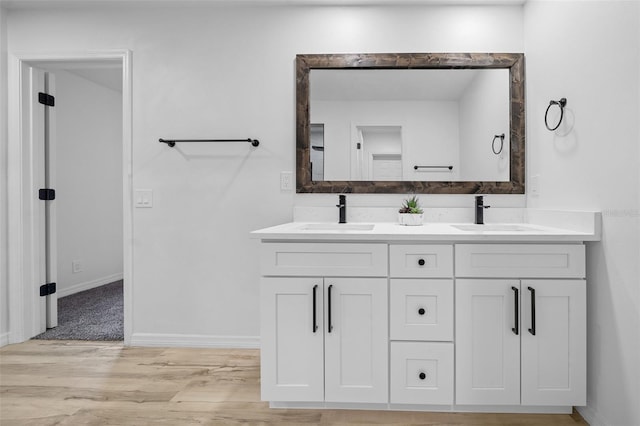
(503, 227)
(337, 227)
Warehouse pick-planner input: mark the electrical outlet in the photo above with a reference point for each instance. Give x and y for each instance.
(76, 266)
(534, 185)
(286, 181)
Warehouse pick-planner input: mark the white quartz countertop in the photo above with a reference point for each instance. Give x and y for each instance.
(389, 231)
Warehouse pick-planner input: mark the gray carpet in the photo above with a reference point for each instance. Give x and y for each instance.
(95, 314)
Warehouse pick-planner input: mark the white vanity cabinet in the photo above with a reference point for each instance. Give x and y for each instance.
(324, 338)
(520, 341)
(396, 321)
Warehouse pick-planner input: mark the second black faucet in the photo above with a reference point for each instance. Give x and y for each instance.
(342, 205)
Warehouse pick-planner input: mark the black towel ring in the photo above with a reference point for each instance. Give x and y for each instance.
(561, 103)
(493, 144)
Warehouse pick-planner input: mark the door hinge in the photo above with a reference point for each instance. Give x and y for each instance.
(358, 145)
(47, 289)
(47, 194)
(46, 99)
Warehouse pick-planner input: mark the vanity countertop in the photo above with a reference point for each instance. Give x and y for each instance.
(390, 231)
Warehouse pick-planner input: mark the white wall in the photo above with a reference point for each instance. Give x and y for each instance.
(88, 183)
(229, 72)
(588, 53)
(484, 113)
(4, 309)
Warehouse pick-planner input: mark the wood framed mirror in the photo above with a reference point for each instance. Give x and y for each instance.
(430, 123)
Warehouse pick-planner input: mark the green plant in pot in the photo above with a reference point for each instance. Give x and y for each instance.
(411, 213)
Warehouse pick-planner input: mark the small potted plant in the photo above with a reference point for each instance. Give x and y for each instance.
(411, 213)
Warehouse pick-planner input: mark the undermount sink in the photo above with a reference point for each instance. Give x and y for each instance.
(337, 227)
(502, 227)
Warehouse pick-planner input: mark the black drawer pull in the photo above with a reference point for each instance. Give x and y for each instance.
(421, 262)
(421, 311)
(422, 375)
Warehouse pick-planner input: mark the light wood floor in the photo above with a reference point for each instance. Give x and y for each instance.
(97, 383)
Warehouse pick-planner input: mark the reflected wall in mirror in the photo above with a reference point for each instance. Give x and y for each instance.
(398, 123)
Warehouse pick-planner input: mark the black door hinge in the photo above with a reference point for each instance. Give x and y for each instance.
(46, 99)
(358, 145)
(47, 289)
(47, 194)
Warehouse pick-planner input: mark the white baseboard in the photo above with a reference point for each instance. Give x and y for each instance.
(4, 339)
(77, 288)
(195, 341)
(590, 416)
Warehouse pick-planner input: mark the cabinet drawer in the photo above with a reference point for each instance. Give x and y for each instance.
(421, 373)
(418, 261)
(421, 309)
(520, 260)
(323, 259)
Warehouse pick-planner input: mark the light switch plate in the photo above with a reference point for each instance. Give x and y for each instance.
(143, 198)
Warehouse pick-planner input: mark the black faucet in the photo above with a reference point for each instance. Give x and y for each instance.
(342, 205)
(480, 210)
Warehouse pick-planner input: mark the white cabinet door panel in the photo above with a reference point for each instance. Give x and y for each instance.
(291, 352)
(554, 359)
(356, 348)
(487, 348)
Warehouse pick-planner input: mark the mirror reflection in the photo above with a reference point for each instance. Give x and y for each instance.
(409, 124)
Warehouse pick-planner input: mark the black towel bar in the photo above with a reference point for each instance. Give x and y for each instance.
(432, 167)
(172, 142)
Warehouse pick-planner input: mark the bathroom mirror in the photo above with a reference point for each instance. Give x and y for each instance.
(442, 123)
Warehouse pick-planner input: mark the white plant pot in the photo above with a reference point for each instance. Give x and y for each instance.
(410, 219)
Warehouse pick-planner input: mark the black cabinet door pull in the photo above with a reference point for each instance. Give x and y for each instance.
(422, 375)
(421, 311)
(516, 318)
(330, 328)
(532, 330)
(421, 262)
(315, 320)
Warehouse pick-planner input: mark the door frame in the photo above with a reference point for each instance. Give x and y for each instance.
(23, 301)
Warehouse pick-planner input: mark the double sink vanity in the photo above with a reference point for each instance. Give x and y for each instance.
(447, 316)
(443, 316)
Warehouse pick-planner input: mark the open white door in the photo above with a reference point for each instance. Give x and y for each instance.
(42, 125)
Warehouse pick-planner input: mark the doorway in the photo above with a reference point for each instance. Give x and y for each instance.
(77, 269)
(378, 153)
(86, 162)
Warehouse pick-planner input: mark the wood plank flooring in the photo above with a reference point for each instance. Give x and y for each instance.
(103, 383)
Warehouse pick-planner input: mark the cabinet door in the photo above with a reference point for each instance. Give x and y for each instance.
(487, 342)
(291, 347)
(356, 345)
(554, 358)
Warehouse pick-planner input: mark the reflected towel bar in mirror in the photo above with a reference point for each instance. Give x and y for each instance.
(172, 142)
(432, 167)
